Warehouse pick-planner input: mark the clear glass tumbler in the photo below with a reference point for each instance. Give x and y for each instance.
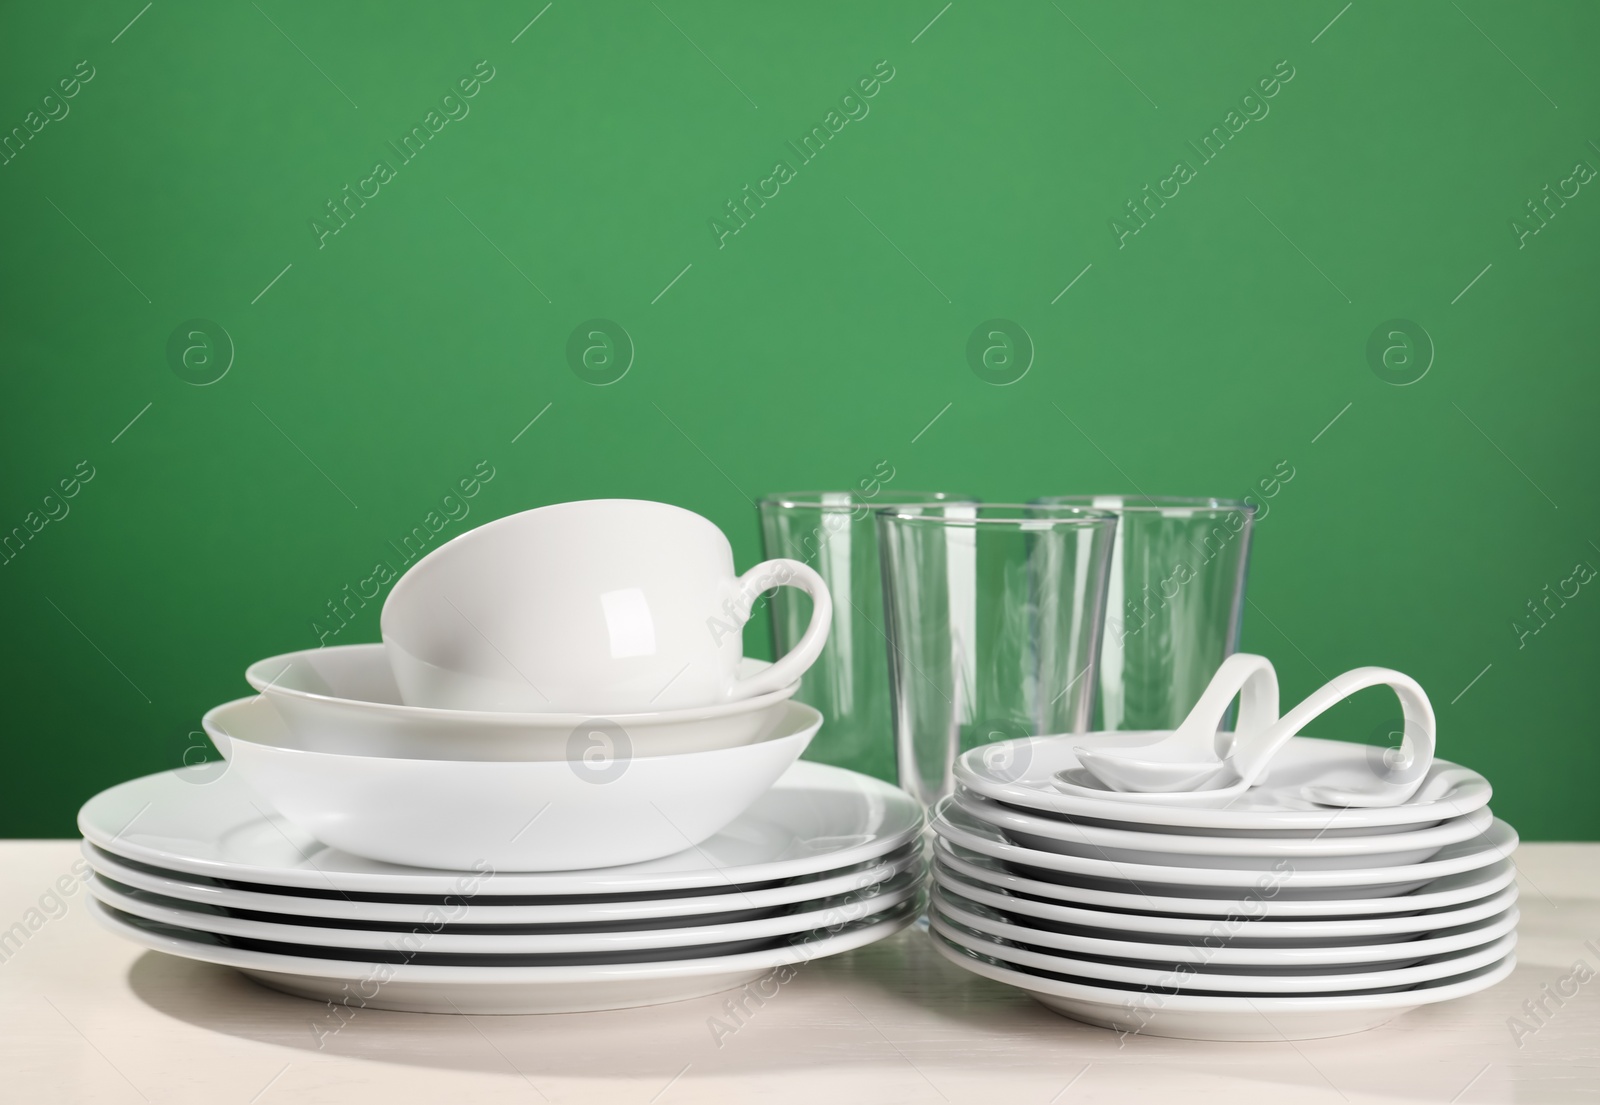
(1174, 603)
(994, 615)
(833, 532)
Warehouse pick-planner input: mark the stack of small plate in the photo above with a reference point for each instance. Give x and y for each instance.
(186, 863)
(1268, 918)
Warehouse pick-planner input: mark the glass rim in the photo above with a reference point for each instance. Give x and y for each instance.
(1149, 503)
(811, 500)
(1026, 513)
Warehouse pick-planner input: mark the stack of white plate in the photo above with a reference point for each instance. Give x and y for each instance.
(1268, 918)
(186, 863)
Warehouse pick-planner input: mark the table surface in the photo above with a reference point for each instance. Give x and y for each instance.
(88, 1017)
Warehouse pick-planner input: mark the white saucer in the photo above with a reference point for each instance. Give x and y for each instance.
(736, 904)
(1022, 773)
(1258, 852)
(1224, 953)
(416, 988)
(1211, 980)
(953, 823)
(815, 818)
(285, 929)
(1223, 1017)
(1242, 930)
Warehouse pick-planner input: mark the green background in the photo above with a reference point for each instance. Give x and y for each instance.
(829, 336)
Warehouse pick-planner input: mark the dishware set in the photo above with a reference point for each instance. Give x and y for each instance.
(1125, 881)
(556, 786)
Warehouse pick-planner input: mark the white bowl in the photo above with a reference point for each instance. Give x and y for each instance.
(344, 699)
(486, 816)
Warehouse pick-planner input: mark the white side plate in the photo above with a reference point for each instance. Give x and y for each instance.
(1257, 852)
(1219, 1017)
(1234, 982)
(1223, 955)
(954, 824)
(1022, 773)
(1451, 890)
(1240, 930)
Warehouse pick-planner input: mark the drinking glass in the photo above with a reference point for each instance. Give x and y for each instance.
(833, 532)
(994, 615)
(1174, 603)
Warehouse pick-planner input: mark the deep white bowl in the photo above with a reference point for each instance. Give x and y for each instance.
(600, 810)
(343, 699)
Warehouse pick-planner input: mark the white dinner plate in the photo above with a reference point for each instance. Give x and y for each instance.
(1221, 1016)
(1438, 893)
(283, 929)
(643, 911)
(1022, 773)
(419, 988)
(1240, 930)
(1223, 954)
(1186, 978)
(815, 818)
(1257, 852)
(1285, 879)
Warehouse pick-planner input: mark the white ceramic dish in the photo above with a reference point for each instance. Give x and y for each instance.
(1211, 980)
(1022, 773)
(956, 825)
(735, 904)
(599, 607)
(421, 988)
(523, 815)
(815, 818)
(1225, 955)
(1239, 931)
(1253, 853)
(1440, 893)
(343, 699)
(1219, 1016)
(285, 929)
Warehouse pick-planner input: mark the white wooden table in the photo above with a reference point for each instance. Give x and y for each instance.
(88, 1017)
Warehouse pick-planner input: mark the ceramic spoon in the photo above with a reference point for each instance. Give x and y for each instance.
(1395, 778)
(1195, 754)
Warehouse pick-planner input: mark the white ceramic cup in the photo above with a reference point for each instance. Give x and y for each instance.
(598, 607)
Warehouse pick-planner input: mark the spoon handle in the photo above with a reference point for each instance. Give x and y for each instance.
(1406, 768)
(1245, 676)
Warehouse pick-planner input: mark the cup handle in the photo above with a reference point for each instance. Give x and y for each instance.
(793, 664)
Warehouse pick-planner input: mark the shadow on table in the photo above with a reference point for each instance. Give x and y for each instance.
(843, 1011)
